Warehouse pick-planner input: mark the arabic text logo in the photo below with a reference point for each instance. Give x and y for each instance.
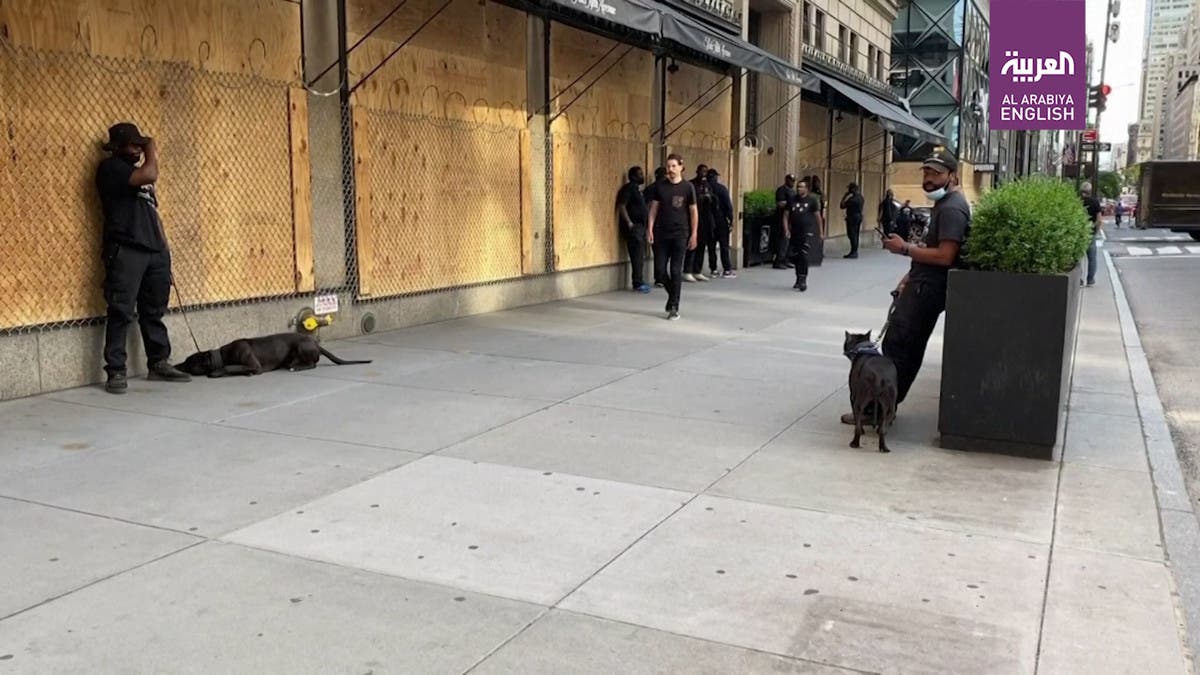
(1033, 69)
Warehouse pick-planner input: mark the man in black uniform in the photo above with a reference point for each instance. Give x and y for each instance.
(1093, 208)
(921, 295)
(660, 174)
(852, 202)
(137, 260)
(693, 266)
(723, 215)
(785, 198)
(904, 220)
(805, 223)
(673, 225)
(632, 215)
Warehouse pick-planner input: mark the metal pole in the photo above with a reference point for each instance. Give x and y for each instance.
(1103, 66)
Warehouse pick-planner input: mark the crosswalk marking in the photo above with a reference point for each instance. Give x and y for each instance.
(1169, 250)
(1193, 249)
(1138, 250)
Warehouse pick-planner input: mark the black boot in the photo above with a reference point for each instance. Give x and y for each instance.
(802, 283)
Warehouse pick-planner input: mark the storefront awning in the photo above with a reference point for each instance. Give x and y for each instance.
(633, 14)
(891, 117)
(730, 49)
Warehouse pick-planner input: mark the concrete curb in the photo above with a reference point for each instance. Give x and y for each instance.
(1177, 519)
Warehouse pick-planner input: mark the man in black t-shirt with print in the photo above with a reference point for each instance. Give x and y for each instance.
(632, 216)
(921, 295)
(137, 260)
(805, 223)
(674, 222)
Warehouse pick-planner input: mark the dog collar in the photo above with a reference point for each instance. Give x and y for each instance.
(215, 361)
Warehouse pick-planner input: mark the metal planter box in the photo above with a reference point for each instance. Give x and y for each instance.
(1007, 360)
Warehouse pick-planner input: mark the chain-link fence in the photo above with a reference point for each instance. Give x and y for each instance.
(226, 188)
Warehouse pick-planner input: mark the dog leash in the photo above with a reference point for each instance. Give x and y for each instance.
(887, 322)
(183, 312)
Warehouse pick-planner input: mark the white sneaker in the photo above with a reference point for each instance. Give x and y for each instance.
(689, 278)
(701, 277)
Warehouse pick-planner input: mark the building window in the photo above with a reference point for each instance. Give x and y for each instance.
(819, 29)
(879, 64)
(843, 44)
(853, 50)
(871, 60)
(807, 18)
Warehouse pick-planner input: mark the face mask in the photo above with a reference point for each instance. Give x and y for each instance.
(936, 195)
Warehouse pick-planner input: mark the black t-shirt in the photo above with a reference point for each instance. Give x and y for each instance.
(854, 206)
(630, 196)
(804, 214)
(130, 213)
(1093, 210)
(905, 215)
(786, 196)
(674, 208)
(950, 220)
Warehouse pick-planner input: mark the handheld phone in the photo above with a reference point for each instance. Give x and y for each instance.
(880, 233)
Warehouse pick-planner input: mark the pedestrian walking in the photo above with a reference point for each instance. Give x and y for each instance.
(888, 211)
(1093, 208)
(723, 227)
(852, 204)
(136, 256)
(674, 222)
(632, 216)
(1118, 211)
(920, 297)
(693, 266)
(785, 199)
(806, 224)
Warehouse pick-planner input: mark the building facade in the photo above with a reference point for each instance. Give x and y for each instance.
(1167, 26)
(939, 67)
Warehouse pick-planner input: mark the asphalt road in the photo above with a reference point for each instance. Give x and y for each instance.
(1164, 293)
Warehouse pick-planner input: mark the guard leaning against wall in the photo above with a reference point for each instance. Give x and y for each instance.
(137, 260)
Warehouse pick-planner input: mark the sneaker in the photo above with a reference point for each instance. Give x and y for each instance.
(796, 286)
(643, 289)
(729, 274)
(165, 372)
(701, 277)
(1091, 283)
(712, 274)
(658, 284)
(690, 278)
(850, 256)
(673, 315)
(779, 266)
(117, 383)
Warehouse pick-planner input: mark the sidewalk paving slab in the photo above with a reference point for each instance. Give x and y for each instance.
(517, 533)
(49, 552)
(874, 596)
(1108, 510)
(221, 608)
(207, 480)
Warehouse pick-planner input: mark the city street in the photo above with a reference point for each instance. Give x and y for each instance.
(1161, 274)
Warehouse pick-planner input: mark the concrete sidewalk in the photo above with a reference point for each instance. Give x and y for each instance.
(583, 487)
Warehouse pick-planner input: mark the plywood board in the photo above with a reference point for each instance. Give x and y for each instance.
(302, 228)
(613, 95)
(364, 225)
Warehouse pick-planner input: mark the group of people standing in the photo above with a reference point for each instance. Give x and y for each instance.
(682, 221)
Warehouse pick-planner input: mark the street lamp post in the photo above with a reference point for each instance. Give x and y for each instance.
(1114, 9)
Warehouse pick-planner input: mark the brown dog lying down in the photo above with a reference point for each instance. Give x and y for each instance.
(251, 356)
(873, 387)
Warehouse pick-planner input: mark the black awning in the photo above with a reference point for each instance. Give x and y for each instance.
(727, 48)
(891, 117)
(633, 14)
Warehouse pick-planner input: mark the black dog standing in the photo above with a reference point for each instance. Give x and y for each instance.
(137, 261)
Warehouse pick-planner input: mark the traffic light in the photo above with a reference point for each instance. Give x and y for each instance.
(1098, 96)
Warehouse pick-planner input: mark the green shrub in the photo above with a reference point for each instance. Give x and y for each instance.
(758, 203)
(1035, 226)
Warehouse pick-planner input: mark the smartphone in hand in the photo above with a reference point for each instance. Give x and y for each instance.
(880, 233)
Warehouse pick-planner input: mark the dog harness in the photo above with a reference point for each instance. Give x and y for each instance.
(867, 349)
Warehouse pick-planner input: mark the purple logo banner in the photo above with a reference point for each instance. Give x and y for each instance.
(1038, 65)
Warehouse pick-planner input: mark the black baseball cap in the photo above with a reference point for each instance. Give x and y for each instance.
(123, 134)
(941, 159)
(790, 176)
